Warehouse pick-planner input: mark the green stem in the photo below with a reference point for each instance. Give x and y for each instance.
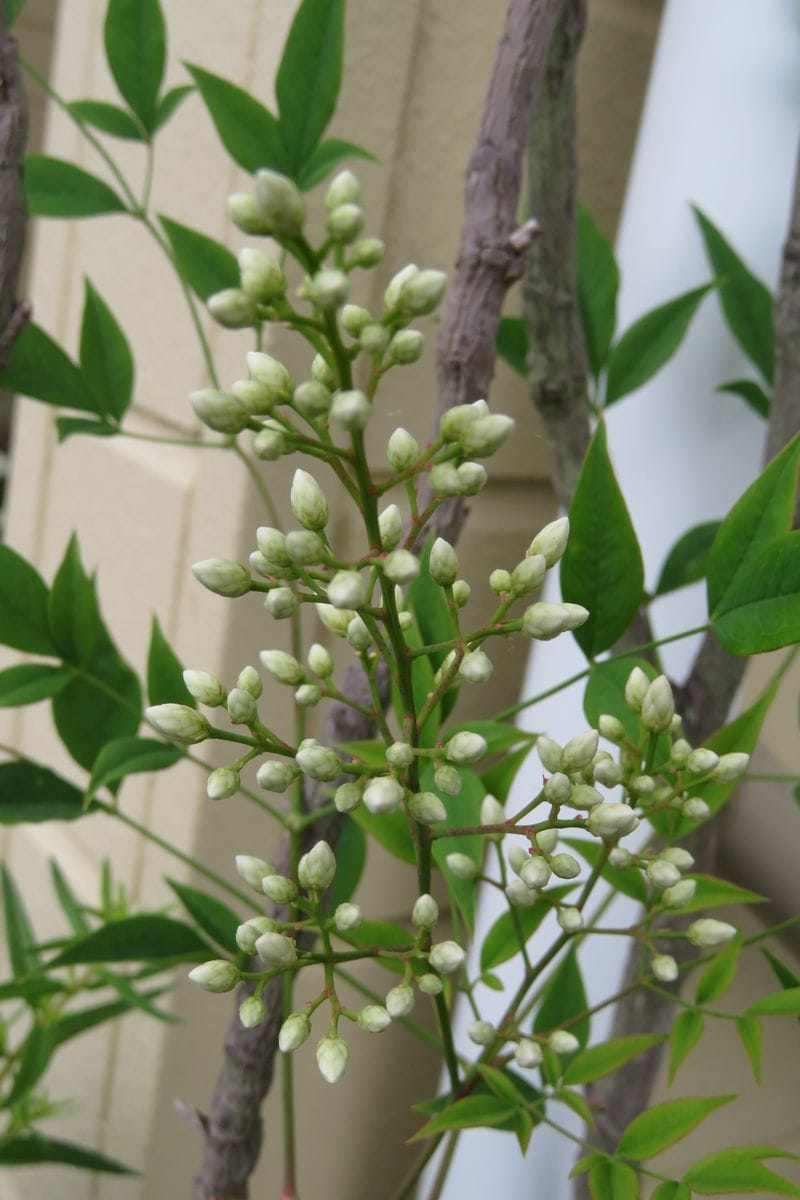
(444, 1166)
(289, 1136)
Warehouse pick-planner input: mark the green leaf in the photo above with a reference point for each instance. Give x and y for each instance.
(55, 188)
(247, 130)
(12, 11)
(108, 118)
(328, 155)
(733, 1172)
(384, 935)
(601, 1060)
(390, 830)
(130, 756)
(204, 264)
(523, 1128)
(212, 916)
(38, 367)
(136, 939)
(501, 1084)
(309, 77)
(23, 605)
(73, 615)
(37, 1050)
(351, 857)
(750, 1034)
(68, 426)
(502, 941)
(105, 357)
(20, 939)
(671, 1189)
(165, 673)
(602, 566)
(511, 344)
(563, 999)
(422, 683)
(718, 975)
(761, 610)
(30, 990)
(136, 47)
(30, 682)
(427, 602)
(30, 793)
(627, 880)
(576, 1102)
(74, 1024)
(752, 394)
(31, 1149)
(687, 560)
(498, 778)
(686, 1031)
(605, 692)
(598, 283)
(746, 302)
(470, 1113)
(467, 804)
(70, 905)
(664, 1124)
(786, 978)
(649, 343)
(763, 514)
(610, 1180)
(171, 101)
(778, 1004)
(714, 893)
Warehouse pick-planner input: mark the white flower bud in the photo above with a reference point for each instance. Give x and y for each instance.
(305, 547)
(344, 188)
(431, 985)
(528, 575)
(402, 450)
(584, 796)
(307, 695)
(443, 563)
(261, 276)
(327, 289)
(557, 789)
(281, 603)
(551, 542)
(270, 443)
(679, 894)
(563, 1042)
(319, 762)
(293, 1032)
(401, 566)
(278, 888)
(222, 576)
(322, 372)
(282, 666)
(642, 785)
(205, 688)
(347, 797)
(447, 779)
(354, 319)
(456, 420)
(462, 866)
(730, 767)
(232, 308)
(492, 813)
(484, 437)
(281, 204)
(358, 636)
(347, 589)
(444, 480)
(351, 410)
(217, 975)
(383, 795)
(427, 808)
(252, 870)
(308, 501)
(607, 772)
(221, 411)
(248, 934)
(374, 1018)
(311, 398)
(320, 661)
(400, 1001)
(535, 872)
(549, 753)
(636, 689)
(517, 855)
(391, 296)
(425, 913)
(662, 874)
(222, 783)
(274, 949)
(241, 707)
(367, 252)
(399, 755)
(347, 916)
(611, 820)
(332, 1058)
(405, 347)
(245, 212)
(421, 292)
(500, 581)
(680, 752)
(565, 866)
(544, 620)
(317, 868)
(658, 705)
(472, 478)
(446, 957)
(547, 840)
(252, 1012)
(390, 524)
(344, 222)
(466, 748)
(569, 919)
(178, 722)
(611, 728)
(519, 894)
(707, 932)
(528, 1053)
(482, 1033)
(579, 751)
(275, 776)
(619, 857)
(664, 968)
(679, 857)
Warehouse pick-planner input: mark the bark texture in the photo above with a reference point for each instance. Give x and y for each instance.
(13, 138)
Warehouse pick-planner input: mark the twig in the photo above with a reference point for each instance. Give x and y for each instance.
(14, 314)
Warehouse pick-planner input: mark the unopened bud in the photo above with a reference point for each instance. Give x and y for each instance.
(279, 888)
(549, 752)
(607, 772)
(320, 661)
(322, 371)
(565, 866)
(611, 728)
(579, 751)
(431, 985)
(665, 968)
(482, 1033)
(262, 277)
(421, 292)
(270, 443)
(446, 957)
(317, 868)
(222, 576)
(245, 212)
(658, 705)
(178, 722)
(519, 894)
(275, 776)
(374, 1018)
(252, 1012)
(730, 767)
(252, 870)
(282, 666)
(274, 949)
(619, 857)
(367, 252)
(248, 933)
(405, 347)
(217, 975)
(222, 783)
(528, 575)
(281, 603)
(547, 840)
(205, 688)
(383, 795)
(307, 695)
(544, 620)
(345, 222)
(462, 866)
(662, 874)
(344, 188)
(679, 857)
(492, 813)
(466, 748)
(241, 706)
(293, 1032)
(636, 689)
(401, 566)
(551, 542)
(447, 779)
(569, 919)
(351, 410)
(358, 636)
(528, 1053)
(391, 296)
(558, 788)
(402, 450)
(679, 894)
(354, 319)
(319, 762)
(611, 820)
(312, 399)
(400, 1001)
(472, 478)
(695, 809)
(561, 1041)
(347, 916)
(281, 204)
(427, 808)
(218, 410)
(707, 932)
(232, 308)
(456, 420)
(332, 1058)
(347, 589)
(444, 480)
(327, 289)
(308, 501)
(535, 872)
(425, 913)
(485, 436)
(347, 797)
(443, 563)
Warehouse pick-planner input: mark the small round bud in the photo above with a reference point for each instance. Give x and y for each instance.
(250, 681)
(619, 857)
(307, 695)
(232, 308)
(248, 934)
(402, 450)
(427, 808)
(217, 975)
(519, 894)
(347, 589)
(252, 870)
(472, 478)
(462, 866)
(565, 866)
(270, 443)
(642, 785)
(528, 575)
(391, 297)
(611, 728)
(607, 772)
(679, 857)
(547, 840)
(680, 752)
(383, 795)
(405, 347)
(222, 783)
(245, 212)
(484, 437)
(322, 372)
(399, 755)
(551, 542)
(447, 779)
(730, 767)
(658, 705)
(679, 894)
(701, 761)
(561, 1041)
(446, 957)
(707, 932)
(558, 789)
(461, 593)
(611, 820)
(327, 289)
(344, 188)
(444, 480)
(178, 722)
(528, 1053)
(222, 576)
(205, 688)
(274, 949)
(456, 420)
(275, 776)
(347, 916)
(320, 661)
(374, 1018)
(311, 398)
(662, 874)
(281, 603)
(305, 547)
(443, 563)
(636, 689)
(358, 636)
(283, 667)
(390, 525)
(431, 985)
(281, 204)
(579, 751)
(332, 1058)
(550, 753)
(425, 913)
(492, 813)
(695, 809)
(421, 292)
(367, 252)
(221, 411)
(500, 581)
(466, 748)
(664, 968)
(317, 868)
(278, 888)
(400, 1001)
(345, 222)
(308, 502)
(401, 566)
(569, 919)
(293, 1032)
(241, 707)
(319, 762)
(252, 1012)
(482, 1033)
(517, 856)
(347, 797)
(544, 620)
(354, 319)
(535, 872)
(261, 276)
(351, 410)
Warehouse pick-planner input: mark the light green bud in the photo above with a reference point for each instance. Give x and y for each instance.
(402, 450)
(528, 575)
(322, 372)
(347, 797)
(427, 808)
(584, 796)
(252, 1012)
(383, 795)
(320, 661)
(293, 1032)
(466, 748)
(619, 857)
(281, 203)
(535, 872)
(550, 753)
(222, 783)
(569, 918)
(462, 866)
(335, 619)
(730, 767)
(281, 603)
(248, 934)
(431, 985)
(405, 620)
(476, 667)
(695, 809)
(345, 222)
(400, 1001)
(662, 874)
(250, 681)
(500, 581)
(391, 296)
(679, 857)
(607, 772)
(680, 752)
(305, 547)
(245, 212)
(611, 728)
(444, 480)
(351, 410)
(262, 277)
(447, 779)
(232, 308)
(308, 501)
(390, 525)
(347, 589)
(461, 593)
(425, 913)
(544, 620)
(332, 1058)
(401, 566)
(327, 289)
(255, 397)
(517, 855)
(546, 840)
(280, 889)
(579, 751)
(222, 576)
(241, 706)
(421, 292)
(519, 894)
(456, 420)
(472, 478)
(307, 695)
(701, 761)
(485, 436)
(312, 399)
(399, 755)
(354, 318)
(344, 188)
(528, 1053)
(664, 968)
(492, 813)
(707, 932)
(317, 868)
(611, 820)
(446, 957)
(482, 1033)
(561, 1041)
(558, 788)
(270, 443)
(636, 689)
(374, 1018)
(405, 347)
(658, 705)
(347, 916)
(217, 975)
(252, 870)
(319, 762)
(178, 722)
(443, 563)
(282, 666)
(374, 339)
(679, 894)
(358, 636)
(269, 570)
(221, 411)
(367, 252)
(551, 542)
(272, 374)
(565, 866)
(205, 688)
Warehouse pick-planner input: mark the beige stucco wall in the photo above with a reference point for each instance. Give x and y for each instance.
(414, 86)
